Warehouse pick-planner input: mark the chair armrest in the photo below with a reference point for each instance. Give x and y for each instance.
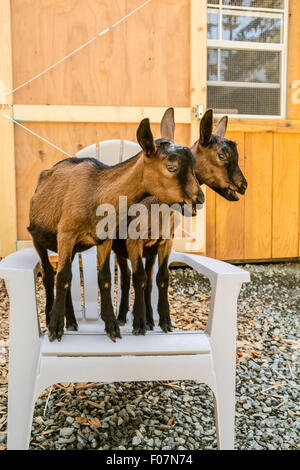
(226, 281)
(19, 272)
(20, 262)
(211, 268)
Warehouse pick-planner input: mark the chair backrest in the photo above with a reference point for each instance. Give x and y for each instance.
(109, 152)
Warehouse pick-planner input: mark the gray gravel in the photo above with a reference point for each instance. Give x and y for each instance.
(180, 415)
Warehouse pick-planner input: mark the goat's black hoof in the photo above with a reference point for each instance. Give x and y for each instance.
(113, 338)
(166, 327)
(72, 327)
(139, 332)
(121, 322)
(55, 336)
(150, 326)
(113, 331)
(139, 326)
(55, 329)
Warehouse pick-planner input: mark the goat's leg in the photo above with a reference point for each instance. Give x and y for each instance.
(71, 322)
(139, 278)
(48, 278)
(125, 289)
(63, 283)
(162, 280)
(107, 311)
(149, 272)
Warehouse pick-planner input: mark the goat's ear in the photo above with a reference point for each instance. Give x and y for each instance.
(221, 128)
(206, 127)
(167, 125)
(145, 138)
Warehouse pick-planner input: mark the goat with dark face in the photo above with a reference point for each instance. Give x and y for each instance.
(217, 159)
(63, 215)
(216, 166)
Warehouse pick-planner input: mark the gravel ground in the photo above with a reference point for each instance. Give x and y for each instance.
(179, 415)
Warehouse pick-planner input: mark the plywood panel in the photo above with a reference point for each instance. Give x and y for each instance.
(299, 219)
(8, 224)
(293, 68)
(198, 60)
(258, 198)
(230, 216)
(285, 234)
(140, 62)
(33, 155)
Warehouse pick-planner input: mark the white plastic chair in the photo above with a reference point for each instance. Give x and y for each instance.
(90, 356)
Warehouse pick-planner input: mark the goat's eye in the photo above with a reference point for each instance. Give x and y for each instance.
(222, 157)
(171, 168)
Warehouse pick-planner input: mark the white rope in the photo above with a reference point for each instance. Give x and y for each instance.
(36, 135)
(81, 47)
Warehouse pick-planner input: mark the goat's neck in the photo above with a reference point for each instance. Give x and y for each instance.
(126, 179)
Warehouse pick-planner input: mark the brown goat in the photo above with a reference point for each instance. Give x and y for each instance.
(216, 166)
(63, 214)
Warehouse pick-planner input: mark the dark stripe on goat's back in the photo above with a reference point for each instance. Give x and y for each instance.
(77, 161)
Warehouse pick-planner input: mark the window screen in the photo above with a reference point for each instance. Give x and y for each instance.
(246, 56)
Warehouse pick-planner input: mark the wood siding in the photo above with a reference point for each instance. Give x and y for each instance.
(146, 62)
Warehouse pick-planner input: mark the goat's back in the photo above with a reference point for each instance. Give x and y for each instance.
(65, 190)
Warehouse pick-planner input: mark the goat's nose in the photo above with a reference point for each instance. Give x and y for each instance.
(200, 198)
(243, 186)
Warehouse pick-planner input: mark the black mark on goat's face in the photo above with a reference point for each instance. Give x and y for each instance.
(217, 160)
(168, 169)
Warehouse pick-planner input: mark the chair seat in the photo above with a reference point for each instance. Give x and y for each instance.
(153, 344)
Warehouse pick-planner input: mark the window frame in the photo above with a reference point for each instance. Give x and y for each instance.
(254, 46)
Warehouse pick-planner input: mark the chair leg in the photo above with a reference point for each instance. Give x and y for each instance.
(20, 406)
(225, 415)
(24, 354)
(222, 329)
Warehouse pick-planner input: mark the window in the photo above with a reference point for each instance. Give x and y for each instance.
(246, 66)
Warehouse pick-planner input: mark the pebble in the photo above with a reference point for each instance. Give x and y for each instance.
(136, 441)
(255, 445)
(66, 432)
(70, 420)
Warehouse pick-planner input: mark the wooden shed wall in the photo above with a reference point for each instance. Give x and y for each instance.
(265, 224)
(146, 62)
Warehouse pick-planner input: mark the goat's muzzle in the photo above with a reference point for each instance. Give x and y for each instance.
(200, 198)
(242, 188)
